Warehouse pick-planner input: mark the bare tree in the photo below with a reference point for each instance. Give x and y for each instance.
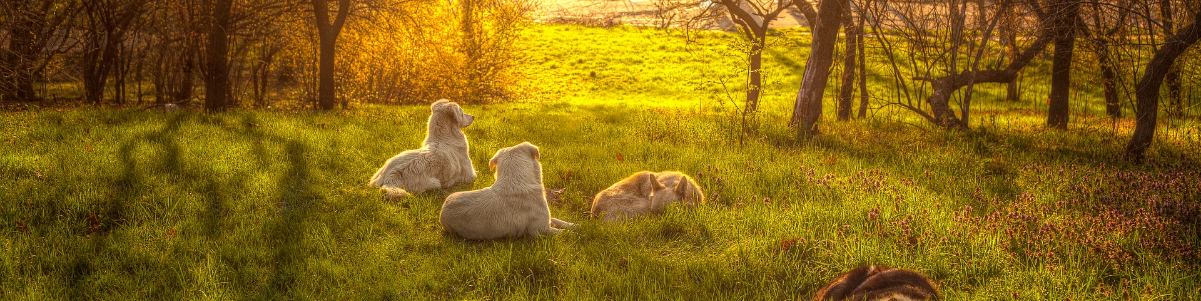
(863, 97)
(1175, 97)
(1101, 34)
(754, 24)
(850, 54)
(1064, 14)
(328, 35)
(1147, 89)
(107, 23)
(36, 33)
(808, 107)
(216, 86)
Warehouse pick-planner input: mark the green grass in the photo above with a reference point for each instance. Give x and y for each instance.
(127, 204)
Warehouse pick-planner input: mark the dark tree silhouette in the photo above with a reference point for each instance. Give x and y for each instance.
(328, 35)
(808, 107)
(1064, 14)
(1147, 89)
(216, 87)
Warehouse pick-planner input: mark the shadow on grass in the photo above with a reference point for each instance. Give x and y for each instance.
(137, 178)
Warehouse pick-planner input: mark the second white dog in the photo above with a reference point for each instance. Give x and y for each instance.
(514, 206)
(441, 162)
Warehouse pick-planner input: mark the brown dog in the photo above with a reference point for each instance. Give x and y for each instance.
(878, 283)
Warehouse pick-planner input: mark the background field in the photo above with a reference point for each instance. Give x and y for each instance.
(133, 204)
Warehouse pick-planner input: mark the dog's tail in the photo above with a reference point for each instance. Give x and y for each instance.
(388, 182)
(879, 283)
(393, 193)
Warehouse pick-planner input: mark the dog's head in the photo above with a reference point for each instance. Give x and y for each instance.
(683, 186)
(452, 112)
(520, 161)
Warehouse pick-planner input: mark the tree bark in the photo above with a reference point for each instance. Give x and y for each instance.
(1147, 89)
(328, 35)
(847, 91)
(863, 98)
(216, 87)
(755, 76)
(23, 51)
(1065, 15)
(808, 107)
(1109, 82)
(1009, 35)
(1175, 97)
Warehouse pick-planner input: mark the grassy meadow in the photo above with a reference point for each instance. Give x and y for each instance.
(117, 203)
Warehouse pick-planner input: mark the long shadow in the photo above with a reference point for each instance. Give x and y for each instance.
(129, 185)
(294, 206)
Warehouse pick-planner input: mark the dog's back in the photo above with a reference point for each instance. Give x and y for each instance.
(878, 283)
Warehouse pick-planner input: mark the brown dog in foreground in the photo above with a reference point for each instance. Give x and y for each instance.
(879, 283)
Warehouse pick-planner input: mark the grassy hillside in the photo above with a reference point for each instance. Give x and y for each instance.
(126, 204)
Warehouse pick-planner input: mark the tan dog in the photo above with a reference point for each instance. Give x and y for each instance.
(514, 206)
(645, 192)
(441, 162)
(878, 283)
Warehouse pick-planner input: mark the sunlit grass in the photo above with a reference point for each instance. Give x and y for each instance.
(127, 204)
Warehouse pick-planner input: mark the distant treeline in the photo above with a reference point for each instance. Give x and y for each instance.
(255, 53)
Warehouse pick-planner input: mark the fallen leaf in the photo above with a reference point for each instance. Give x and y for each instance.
(171, 232)
(89, 147)
(93, 223)
(620, 158)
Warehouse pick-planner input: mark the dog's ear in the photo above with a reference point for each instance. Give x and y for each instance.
(682, 188)
(492, 163)
(531, 149)
(438, 103)
(647, 184)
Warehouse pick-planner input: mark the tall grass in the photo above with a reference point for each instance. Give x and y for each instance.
(123, 204)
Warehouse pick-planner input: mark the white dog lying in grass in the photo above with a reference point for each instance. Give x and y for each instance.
(441, 162)
(514, 206)
(645, 192)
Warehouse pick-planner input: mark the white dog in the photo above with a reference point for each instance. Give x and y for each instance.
(441, 162)
(514, 206)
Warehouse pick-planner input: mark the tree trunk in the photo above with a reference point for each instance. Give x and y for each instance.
(846, 93)
(325, 76)
(755, 76)
(1109, 82)
(1175, 98)
(23, 51)
(1065, 14)
(1013, 92)
(1147, 89)
(216, 87)
(808, 107)
(470, 48)
(183, 88)
(327, 33)
(863, 98)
